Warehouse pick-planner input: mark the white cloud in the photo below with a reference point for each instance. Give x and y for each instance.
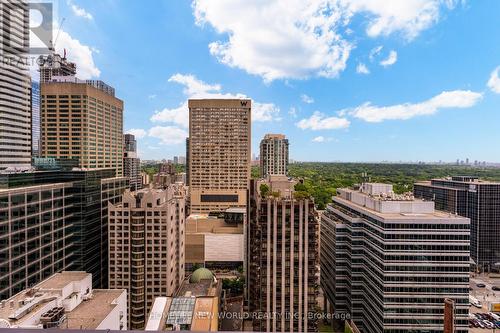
(391, 59)
(298, 39)
(362, 69)
(446, 99)
(169, 135)
(178, 115)
(152, 96)
(265, 112)
(195, 88)
(319, 121)
(293, 112)
(139, 133)
(306, 99)
(494, 81)
(409, 17)
(320, 139)
(277, 39)
(78, 11)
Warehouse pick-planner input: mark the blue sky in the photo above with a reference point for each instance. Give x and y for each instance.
(345, 80)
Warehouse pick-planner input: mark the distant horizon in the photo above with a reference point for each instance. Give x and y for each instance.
(292, 161)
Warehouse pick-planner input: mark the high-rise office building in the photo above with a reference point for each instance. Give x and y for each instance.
(475, 199)
(146, 247)
(82, 121)
(52, 221)
(34, 234)
(35, 119)
(283, 261)
(219, 153)
(131, 163)
(273, 155)
(389, 261)
(15, 115)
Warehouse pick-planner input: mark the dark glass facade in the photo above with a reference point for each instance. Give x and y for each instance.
(479, 201)
(67, 231)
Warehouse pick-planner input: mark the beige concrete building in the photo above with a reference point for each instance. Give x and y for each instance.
(283, 263)
(207, 235)
(194, 307)
(146, 247)
(273, 155)
(81, 120)
(66, 300)
(219, 153)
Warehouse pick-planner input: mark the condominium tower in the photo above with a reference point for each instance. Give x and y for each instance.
(283, 260)
(389, 261)
(273, 155)
(84, 121)
(131, 163)
(15, 115)
(146, 247)
(475, 199)
(219, 153)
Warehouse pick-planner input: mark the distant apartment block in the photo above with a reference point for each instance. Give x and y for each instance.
(131, 163)
(273, 155)
(194, 307)
(219, 153)
(475, 199)
(388, 261)
(82, 121)
(207, 235)
(15, 86)
(66, 300)
(146, 247)
(283, 261)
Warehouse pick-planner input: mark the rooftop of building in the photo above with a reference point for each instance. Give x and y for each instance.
(60, 280)
(194, 306)
(89, 315)
(472, 180)
(34, 187)
(23, 309)
(202, 282)
(236, 103)
(380, 200)
(274, 136)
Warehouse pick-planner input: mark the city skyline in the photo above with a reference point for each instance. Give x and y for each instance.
(197, 52)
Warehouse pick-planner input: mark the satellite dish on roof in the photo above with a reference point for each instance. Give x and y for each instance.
(4, 323)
